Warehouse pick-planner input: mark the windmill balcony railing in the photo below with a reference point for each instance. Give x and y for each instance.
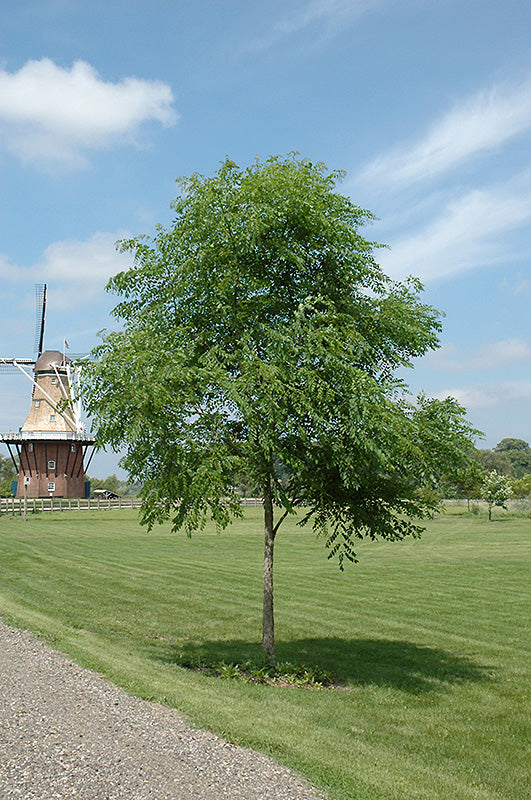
(65, 436)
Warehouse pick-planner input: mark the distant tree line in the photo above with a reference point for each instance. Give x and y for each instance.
(494, 475)
(510, 457)
(115, 485)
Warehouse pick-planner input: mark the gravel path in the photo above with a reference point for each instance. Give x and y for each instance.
(67, 732)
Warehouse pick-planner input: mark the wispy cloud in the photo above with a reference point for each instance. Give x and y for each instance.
(492, 356)
(327, 17)
(490, 395)
(502, 353)
(330, 12)
(50, 114)
(468, 233)
(523, 287)
(76, 269)
(480, 123)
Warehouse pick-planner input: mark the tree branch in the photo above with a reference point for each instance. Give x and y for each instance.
(284, 515)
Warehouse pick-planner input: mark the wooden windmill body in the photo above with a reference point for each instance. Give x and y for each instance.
(49, 449)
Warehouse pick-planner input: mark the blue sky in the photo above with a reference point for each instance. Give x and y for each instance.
(426, 105)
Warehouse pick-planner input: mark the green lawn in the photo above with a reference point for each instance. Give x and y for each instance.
(429, 638)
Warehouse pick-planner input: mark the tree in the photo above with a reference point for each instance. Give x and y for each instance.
(511, 445)
(521, 487)
(496, 490)
(243, 482)
(113, 484)
(518, 454)
(491, 460)
(7, 475)
(259, 335)
(464, 482)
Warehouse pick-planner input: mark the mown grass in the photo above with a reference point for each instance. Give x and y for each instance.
(428, 638)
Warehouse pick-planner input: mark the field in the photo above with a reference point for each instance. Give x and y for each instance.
(429, 640)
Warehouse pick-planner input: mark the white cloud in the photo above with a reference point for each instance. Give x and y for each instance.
(481, 123)
(6, 267)
(490, 395)
(331, 12)
(54, 114)
(492, 356)
(84, 262)
(328, 17)
(503, 353)
(78, 270)
(467, 234)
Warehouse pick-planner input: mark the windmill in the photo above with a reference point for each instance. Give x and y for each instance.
(50, 448)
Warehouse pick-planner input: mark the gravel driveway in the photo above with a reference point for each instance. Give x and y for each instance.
(67, 732)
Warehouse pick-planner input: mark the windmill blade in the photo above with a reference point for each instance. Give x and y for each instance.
(8, 365)
(40, 310)
(8, 369)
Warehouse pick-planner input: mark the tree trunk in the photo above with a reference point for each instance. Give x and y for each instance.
(268, 622)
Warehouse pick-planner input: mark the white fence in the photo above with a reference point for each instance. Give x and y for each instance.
(15, 505)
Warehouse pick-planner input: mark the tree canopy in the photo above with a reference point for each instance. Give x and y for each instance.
(511, 457)
(259, 336)
(7, 475)
(490, 460)
(521, 487)
(518, 453)
(511, 444)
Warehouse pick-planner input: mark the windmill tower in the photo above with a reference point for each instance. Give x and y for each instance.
(50, 448)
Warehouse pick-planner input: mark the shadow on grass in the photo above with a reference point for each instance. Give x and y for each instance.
(352, 662)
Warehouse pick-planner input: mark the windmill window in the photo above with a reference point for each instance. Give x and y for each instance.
(51, 464)
(37, 403)
(51, 487)
(30, 447)
(54, 380)
(73, 448)
(52, 417)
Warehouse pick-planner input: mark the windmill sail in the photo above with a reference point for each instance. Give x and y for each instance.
(9, 365)
(40, 300)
